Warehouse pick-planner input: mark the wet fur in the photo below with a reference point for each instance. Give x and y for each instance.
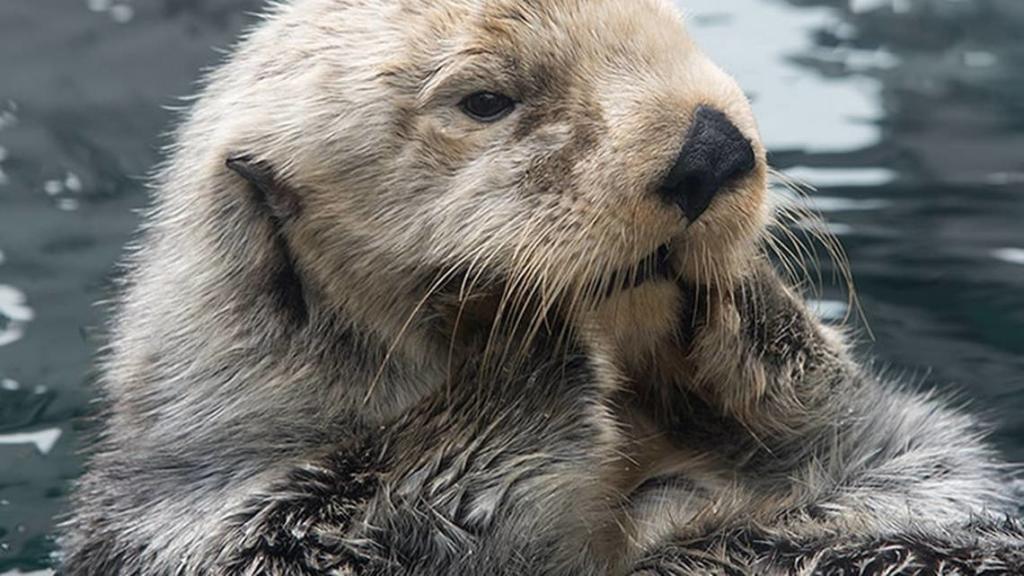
(362, 334)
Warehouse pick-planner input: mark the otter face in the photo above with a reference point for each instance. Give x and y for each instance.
(561, 145)
(610, 135)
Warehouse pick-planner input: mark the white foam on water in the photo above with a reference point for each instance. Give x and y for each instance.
(122, 13)
(829, 310)
(99, 5)
(11, 334)
(68, 204)
(72, 182)
(834, 228)
(980, 59)
(1011, 255)
(833, 177)
(53, 187)
(1005, 178)
(16, 314)
(898, 6)
(13, 304)
(43, 440)
(828, 204)
(902, 6)
(7, 119)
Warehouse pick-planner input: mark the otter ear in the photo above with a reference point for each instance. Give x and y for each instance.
(271, 192)
(279, 203)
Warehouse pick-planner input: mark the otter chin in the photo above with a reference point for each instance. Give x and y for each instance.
(483, 287)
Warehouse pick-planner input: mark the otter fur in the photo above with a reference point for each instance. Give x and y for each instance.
(372, 328)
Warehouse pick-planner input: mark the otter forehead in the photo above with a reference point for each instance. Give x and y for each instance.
(546, 48)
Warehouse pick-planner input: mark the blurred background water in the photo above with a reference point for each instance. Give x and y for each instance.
(906, 115)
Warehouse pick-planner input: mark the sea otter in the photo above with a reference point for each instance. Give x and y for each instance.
(482, 287)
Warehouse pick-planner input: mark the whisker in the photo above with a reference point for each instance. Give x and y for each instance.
(800, 213)
(442, 278)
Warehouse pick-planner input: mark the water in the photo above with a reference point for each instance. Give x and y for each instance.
(908, 115)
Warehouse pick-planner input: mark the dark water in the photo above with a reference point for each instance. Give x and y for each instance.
(908, 115)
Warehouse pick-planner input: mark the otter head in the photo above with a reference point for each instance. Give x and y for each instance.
(562, 148)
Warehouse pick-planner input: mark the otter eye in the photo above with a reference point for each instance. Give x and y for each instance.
(487, 106)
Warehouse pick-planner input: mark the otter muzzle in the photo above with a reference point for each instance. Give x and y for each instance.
(714, 154)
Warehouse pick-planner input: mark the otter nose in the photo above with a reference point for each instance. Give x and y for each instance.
(714, 154)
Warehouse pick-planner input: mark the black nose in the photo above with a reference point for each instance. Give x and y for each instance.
(714, 154)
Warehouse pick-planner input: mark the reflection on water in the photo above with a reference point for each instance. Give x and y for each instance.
(1011, 255)
(906, 115)
(14, 315)
(761, 43)
(910, 116)
(120, 13)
